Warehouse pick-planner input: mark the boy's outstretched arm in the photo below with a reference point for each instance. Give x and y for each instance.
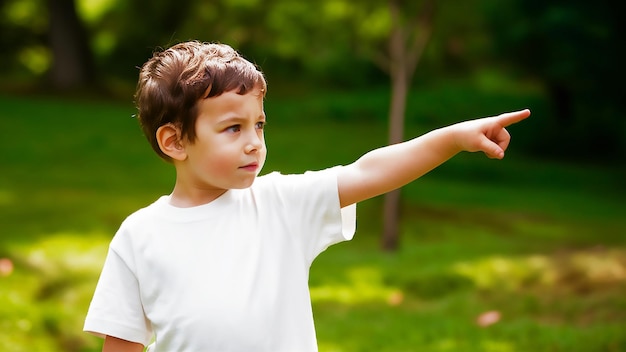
(385, 169)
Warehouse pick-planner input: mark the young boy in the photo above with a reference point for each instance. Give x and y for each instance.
(222, 263)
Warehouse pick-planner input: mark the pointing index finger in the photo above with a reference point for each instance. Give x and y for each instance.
(510, 118)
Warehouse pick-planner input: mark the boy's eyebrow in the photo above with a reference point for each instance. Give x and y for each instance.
(239, 119)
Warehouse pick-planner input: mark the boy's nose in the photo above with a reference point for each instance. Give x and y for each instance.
(254, 143)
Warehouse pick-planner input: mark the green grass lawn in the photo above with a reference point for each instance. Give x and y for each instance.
(540, 243)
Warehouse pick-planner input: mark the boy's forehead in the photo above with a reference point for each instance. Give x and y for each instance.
(232, 101)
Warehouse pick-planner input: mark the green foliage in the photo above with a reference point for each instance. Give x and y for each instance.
(331, 42)
(571, 47)
(539, 242)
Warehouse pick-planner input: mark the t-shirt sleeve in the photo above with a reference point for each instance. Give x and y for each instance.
(116, 308)
(311, 203)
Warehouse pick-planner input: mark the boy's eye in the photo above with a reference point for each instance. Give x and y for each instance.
(234, 128)
(260, 125)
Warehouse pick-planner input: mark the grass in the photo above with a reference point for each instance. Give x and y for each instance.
(539, 242)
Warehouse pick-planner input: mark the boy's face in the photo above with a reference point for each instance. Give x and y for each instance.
(229, 149)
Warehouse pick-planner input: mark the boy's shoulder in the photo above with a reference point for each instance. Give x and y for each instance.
(144, 217)
(282, 179)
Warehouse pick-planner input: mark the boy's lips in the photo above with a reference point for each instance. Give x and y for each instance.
(250, 167)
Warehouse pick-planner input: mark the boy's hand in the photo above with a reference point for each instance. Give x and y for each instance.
(488, 134)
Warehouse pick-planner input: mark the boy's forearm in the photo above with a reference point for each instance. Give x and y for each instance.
(396, 165)
(388, 168)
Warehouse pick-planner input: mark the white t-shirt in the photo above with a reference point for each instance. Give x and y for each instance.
(230, 275)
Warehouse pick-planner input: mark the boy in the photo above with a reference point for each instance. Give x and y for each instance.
(222, 263)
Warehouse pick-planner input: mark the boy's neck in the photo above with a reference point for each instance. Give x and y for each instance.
(186, 197)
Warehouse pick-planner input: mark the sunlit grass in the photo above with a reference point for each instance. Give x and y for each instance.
(42, 300)
(362, 285)
(575, 270)
(566, 307)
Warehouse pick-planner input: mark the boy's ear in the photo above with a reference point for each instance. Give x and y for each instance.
(170, 141)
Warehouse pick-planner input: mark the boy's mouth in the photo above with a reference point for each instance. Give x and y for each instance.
(250, 167)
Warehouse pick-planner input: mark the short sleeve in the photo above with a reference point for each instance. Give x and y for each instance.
(311, 205)
(116, 308)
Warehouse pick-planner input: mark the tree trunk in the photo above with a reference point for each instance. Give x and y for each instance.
(399, 87)
(72, 65)
(406, 45)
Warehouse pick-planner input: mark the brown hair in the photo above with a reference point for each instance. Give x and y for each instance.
(172, 81)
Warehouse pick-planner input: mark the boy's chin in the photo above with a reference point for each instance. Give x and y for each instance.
(244, 185)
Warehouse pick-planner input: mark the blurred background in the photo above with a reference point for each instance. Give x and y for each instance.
(527, 253)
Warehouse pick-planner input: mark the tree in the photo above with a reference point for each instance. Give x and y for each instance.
(72, 63)
(407, 41)
(396, 48)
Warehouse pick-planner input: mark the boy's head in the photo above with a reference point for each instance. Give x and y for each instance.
(173, 81)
